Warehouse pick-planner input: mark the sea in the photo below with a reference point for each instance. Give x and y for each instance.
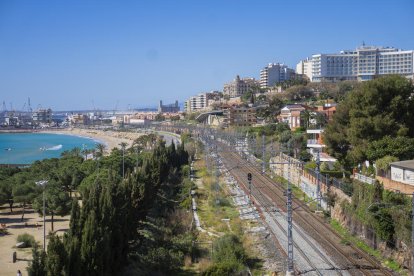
(25, 148)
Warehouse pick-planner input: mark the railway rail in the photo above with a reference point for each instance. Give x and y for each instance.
(266, 192)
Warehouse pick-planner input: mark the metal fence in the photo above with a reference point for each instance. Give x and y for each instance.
(345, 187)
(364, 178)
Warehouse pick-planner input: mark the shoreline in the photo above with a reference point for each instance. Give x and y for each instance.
(111, 139)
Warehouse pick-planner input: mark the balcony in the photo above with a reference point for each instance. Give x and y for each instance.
(314, 130)
(313, 143)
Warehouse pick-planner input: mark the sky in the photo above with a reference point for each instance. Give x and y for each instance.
(86, 54)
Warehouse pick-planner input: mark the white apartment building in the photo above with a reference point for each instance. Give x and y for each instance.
(304, 67)
(195, 103)
(274, 73)
(240, 86)
(202, 101)
(365, 63)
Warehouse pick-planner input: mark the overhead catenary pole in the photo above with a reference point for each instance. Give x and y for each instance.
(263, 154)
(249, 179)
(290, 225)
(217, 168)
(412, 235)
(318, 185)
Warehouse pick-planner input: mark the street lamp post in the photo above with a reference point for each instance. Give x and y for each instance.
(123, 162)
(43, 184)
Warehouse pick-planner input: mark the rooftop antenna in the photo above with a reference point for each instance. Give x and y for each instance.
(363, 43)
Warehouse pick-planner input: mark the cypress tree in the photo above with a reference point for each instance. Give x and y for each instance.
(37, 266)
(56, 256)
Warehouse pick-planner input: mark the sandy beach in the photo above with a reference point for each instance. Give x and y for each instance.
(109, 138)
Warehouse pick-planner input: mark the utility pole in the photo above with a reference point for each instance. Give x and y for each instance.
(412, 235)
(217, 168)
(263, 154)
(290, 225)
(190, 175)
(318, 186)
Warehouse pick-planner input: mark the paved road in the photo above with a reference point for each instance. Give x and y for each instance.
(169, 138)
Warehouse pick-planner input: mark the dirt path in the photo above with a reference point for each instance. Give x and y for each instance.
(16, 227)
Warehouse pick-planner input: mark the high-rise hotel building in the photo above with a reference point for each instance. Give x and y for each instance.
(365, 63)
(275, 73)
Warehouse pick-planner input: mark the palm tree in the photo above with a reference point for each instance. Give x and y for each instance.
(85, 153)
(76, 151)
(100, 150)
(306, 116)
(123, 146)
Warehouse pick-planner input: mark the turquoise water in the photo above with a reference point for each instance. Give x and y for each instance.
(25, 148)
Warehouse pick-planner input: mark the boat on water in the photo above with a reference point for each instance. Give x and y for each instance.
(8, 149)
(57, 147)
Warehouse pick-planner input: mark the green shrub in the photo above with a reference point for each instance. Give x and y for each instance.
(228, 249)
(186, 203)
(224, 268)
(336, 174)
(220, 201)
(310, 165)
(28, 240)
(324, 166)
(348, 188)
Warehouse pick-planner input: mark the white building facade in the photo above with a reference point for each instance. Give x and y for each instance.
(304, 68)
(403, 171)
(274, 73)
(195, 103)
(202, 101)
(365, 63)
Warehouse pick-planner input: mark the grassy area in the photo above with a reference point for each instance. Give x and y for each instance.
(347, 238)
(215, 208)
(220, 216)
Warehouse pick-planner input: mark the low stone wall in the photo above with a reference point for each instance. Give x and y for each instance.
(300, 178)
(324, 189)
(402, 253)
(294, 173)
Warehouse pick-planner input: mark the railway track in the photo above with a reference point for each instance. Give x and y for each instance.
(313, 269)
(266, 192)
